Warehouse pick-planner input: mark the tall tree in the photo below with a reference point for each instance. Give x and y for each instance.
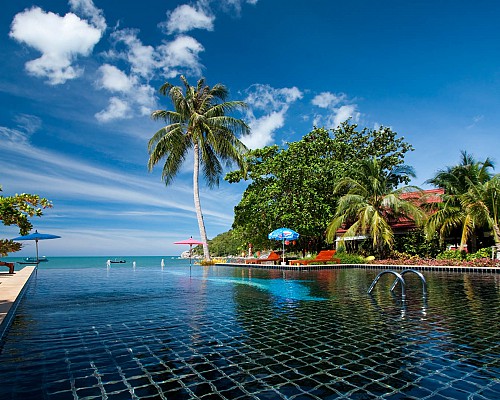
(292, 186)
(370, 203)
(482, 208)
(16, 210)
(453, 214)
(199, 122)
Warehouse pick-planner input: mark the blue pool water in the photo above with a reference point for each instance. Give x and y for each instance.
(85, 331)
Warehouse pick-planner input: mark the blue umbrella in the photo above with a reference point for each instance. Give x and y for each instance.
(283, 234)
(36, 236)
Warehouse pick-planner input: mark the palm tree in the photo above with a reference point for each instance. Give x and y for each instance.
(371, 202)
(482, 208)
(198, 123)
(465, 186)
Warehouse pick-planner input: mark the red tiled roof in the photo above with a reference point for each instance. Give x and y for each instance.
(421, 197)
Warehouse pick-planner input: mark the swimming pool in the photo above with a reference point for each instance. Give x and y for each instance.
(238, 333)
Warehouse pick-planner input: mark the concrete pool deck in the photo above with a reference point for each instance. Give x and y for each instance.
(11, 289)
(315, 267)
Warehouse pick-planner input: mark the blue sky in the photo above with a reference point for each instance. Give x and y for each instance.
(80, 77)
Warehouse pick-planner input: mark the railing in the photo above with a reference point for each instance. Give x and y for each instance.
(399, 278)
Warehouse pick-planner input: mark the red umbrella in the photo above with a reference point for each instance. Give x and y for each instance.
(190, 242)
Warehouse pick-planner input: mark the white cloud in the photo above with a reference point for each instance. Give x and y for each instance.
(13, 136)
(61, 40)
(262, 130)
(181, 54)
(475, 121)
(274, 103)
(114, 80)
(142, 58)
(235, 5)
(344, 113)
(87, 9)
(28, 123)
(144, 96)
(267, 98)
(327, 99)
(185, 18)
(338, 107)
(117, 109)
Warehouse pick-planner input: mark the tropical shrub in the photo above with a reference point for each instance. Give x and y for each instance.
(346, 258)
(481, 253)
(452, 255)
(414, 243)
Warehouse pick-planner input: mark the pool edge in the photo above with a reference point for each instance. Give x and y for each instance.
(12, 289)
(443, 268)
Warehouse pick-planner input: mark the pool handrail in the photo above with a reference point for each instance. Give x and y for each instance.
(399, 277)
(419, 274)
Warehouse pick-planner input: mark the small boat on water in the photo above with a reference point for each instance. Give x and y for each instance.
(33, 260)
(115, 261)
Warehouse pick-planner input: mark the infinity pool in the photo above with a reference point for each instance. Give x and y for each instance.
(238, 333)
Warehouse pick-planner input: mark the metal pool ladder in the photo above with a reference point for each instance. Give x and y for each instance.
(399, 278)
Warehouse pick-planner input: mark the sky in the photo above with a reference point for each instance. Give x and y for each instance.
(80, 78)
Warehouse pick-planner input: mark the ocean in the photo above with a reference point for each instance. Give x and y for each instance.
(100, 261)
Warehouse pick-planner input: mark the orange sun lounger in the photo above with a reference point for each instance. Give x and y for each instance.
(274, 257)
(323, 256)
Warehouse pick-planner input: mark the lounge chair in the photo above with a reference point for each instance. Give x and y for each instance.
(323, 256)
(274, 257)
(8, 265)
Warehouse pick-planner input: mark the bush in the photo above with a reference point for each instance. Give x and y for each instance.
(481, 253)
(452, 255)
(346, 258)
(415, 243)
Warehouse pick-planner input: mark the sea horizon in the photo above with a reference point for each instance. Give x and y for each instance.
(72, 262)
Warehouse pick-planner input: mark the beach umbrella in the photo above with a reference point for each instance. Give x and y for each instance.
(190, 242)
(36, 236)
(283, 234)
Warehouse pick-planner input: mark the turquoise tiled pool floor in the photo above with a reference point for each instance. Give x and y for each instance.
(223, 334)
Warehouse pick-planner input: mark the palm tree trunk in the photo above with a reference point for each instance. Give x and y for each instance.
(496, 234)
(197, 204)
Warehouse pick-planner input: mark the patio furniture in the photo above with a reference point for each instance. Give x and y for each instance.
(323, 256)
(9, 265)
(273, 257)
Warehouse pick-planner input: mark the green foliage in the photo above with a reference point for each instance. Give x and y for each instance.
(293, 187)
(464, 256)
(452, 255)
(347, 258)
(16, 210)
(198, 123)
(415, 243)
(481, 253)
(370, 204)
(228, 243)
(470, 200)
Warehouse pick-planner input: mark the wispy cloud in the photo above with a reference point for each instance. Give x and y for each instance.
(186, 18)
(117, 109)
(233, 6)
(132, 93)
(71, 179)
(61, 40)
(141, 58)
(327, 99)
(87, 9)
(475, 121)
(180, 55)
(267, 110)
(338, 107)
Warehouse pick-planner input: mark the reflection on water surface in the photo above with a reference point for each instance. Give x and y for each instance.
(148, 332)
